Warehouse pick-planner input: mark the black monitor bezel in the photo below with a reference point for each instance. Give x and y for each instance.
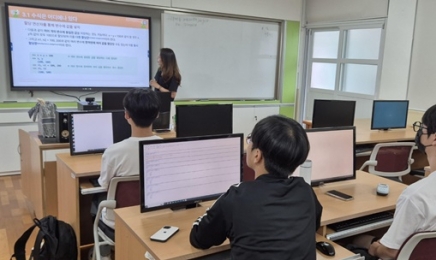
(72, 152)
(183, 139)
(316, 111)
(108, 95)
(178, 117)
(65, 88)
(336, 179)
(164, 97)
(389, 101)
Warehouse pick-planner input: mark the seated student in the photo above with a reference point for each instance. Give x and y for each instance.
(276, 215)
(415, 210)
(122, 159)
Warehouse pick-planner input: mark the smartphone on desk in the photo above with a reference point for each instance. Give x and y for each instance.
(163, 234)
(339, 195)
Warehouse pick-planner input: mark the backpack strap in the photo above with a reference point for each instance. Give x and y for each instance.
(37, 247)
(43, 234)
(20, 245)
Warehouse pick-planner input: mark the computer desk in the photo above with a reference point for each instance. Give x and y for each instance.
(72, 207)
(73, 173)
(366, 136)
(133, 229)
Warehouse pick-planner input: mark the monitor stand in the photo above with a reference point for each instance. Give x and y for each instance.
(189, 206)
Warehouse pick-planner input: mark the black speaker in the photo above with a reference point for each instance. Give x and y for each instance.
(62, 122)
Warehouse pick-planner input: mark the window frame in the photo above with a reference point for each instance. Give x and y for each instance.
(341, 61)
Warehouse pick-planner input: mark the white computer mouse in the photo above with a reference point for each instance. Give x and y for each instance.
(382, 189)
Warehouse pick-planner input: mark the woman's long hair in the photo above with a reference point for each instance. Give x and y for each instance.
(169, 66)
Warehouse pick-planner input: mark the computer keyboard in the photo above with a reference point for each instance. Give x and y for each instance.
(362, 221)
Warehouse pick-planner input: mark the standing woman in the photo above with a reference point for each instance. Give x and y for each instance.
(167, 78)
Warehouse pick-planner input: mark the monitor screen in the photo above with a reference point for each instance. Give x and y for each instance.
(94, 131)
(182, 171)
(333, 113)
(61, 49)
(332, 152)
(387, 114)
(198, 120)
(112, 100)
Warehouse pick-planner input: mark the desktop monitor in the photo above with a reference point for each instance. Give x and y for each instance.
(112, 100)
(162, 122)
(388, 114)
(333, 113)
(332, 152)
(94, 131)
(198, 120)
(179, 172)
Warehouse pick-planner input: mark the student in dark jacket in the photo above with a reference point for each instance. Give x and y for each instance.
(276, 215)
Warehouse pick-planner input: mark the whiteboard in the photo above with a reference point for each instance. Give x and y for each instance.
(223, 58)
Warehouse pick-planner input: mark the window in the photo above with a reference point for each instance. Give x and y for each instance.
(345, 58)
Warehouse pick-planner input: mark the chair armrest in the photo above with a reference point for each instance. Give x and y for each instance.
(368, 163)
(93, 190)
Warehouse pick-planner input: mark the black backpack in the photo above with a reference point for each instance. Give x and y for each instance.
(59, 241)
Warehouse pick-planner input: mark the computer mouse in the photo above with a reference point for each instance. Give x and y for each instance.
(326, 248)
(382, 189)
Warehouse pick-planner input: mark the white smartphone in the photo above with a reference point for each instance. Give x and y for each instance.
(339, 195)
(164, 233)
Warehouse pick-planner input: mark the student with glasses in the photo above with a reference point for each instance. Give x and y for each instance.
(276, 215)
(416, 207)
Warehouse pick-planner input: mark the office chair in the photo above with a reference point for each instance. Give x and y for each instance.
(122, 192)
(390, 159)
(419, 246)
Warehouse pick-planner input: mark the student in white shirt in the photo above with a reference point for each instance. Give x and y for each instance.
(415, 210)
(122, 159)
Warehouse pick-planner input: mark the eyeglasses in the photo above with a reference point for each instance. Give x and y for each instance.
(248, 139)
(417, 126)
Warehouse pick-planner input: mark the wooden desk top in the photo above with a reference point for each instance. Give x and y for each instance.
(142, 226)
(364, 134)
(81, 165)
(178, 247)
(35, 138)
(365, 202)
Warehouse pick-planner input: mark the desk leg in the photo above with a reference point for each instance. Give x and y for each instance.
(68, 198)
(51, 189)
(127, 245)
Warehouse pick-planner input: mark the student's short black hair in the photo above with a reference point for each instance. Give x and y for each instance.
(283, 143)
(429, 119)
(142, 105)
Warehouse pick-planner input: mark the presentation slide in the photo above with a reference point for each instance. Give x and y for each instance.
(54, 48)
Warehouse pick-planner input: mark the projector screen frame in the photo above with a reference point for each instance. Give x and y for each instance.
(14, 87)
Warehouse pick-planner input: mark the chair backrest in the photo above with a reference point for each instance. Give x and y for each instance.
(393, 159)
(419, 246)
(125, 191)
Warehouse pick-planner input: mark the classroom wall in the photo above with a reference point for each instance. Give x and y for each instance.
(321, 11)
(422, 80)
(399, 39)
(398, 49)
